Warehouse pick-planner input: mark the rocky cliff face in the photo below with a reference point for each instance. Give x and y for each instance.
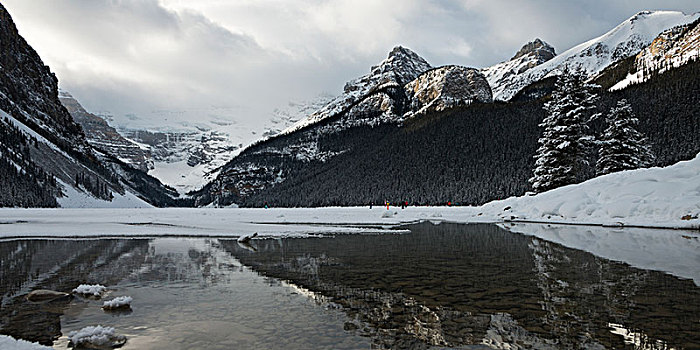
(104, 137)
(45, 158)
(29, 91)
(673, 48)
(447, 87)
(540, 50)
(400, 67)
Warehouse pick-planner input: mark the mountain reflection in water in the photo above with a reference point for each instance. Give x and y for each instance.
(451, 284)
(447, 285)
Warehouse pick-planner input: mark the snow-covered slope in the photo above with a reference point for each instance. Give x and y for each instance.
(529, 56)
(625, 40)
(73, 198)
(288, 116)
(666, 197)
(674, 47)
(189, 146)
(400, 67)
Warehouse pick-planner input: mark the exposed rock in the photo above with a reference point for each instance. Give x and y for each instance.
(538, 49)
(674, 47)
(591, 57)
(400, 67)
(40, 295)
(446, 87)
(104, 137)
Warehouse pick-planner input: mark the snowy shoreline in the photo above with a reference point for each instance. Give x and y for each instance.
(659, 198)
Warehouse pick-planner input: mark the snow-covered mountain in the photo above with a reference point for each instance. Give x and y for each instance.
(673, 48)
(402, 86)
(400, 67)
(104, 137)
(625, 40)
(189, 146)
(529, 56)
(45, 158)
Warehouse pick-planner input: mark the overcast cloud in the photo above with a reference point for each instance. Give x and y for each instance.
(131, 56)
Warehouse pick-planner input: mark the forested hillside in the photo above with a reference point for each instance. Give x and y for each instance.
(24, 184)
(473, 154)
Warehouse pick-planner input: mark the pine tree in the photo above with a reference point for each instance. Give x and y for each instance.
(623, 147)
(564, 143)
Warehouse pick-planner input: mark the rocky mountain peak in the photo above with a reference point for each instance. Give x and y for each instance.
(537, 48)
(406, 64)
(398, 69)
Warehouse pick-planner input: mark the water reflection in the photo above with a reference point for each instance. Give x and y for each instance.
(466, 286)
(188, 293)
(59, 265)
(451, 285)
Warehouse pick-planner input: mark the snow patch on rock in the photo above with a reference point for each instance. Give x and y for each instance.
(122, 302)
(96, 336)
(90, 289)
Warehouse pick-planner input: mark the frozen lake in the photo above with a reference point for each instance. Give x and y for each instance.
(417, 286)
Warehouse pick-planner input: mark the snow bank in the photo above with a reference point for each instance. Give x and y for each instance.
(654, 197)
(96, 336)
(7, 342)
(90, 289)
(122, 302)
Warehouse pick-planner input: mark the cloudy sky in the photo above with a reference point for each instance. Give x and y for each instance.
(131, 56)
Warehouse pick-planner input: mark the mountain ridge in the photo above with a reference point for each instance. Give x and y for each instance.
(592, 56)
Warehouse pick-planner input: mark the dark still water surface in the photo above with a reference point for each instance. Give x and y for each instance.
(440, 286)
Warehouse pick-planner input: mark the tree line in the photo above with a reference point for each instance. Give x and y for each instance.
(474, 154)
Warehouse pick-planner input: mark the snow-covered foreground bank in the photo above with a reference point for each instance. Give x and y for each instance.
(655, 197)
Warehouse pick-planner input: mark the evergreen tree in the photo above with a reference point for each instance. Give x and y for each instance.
(623, 147)
(564, 143)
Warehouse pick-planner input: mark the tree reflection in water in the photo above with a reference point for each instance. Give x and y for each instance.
(451, 285)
